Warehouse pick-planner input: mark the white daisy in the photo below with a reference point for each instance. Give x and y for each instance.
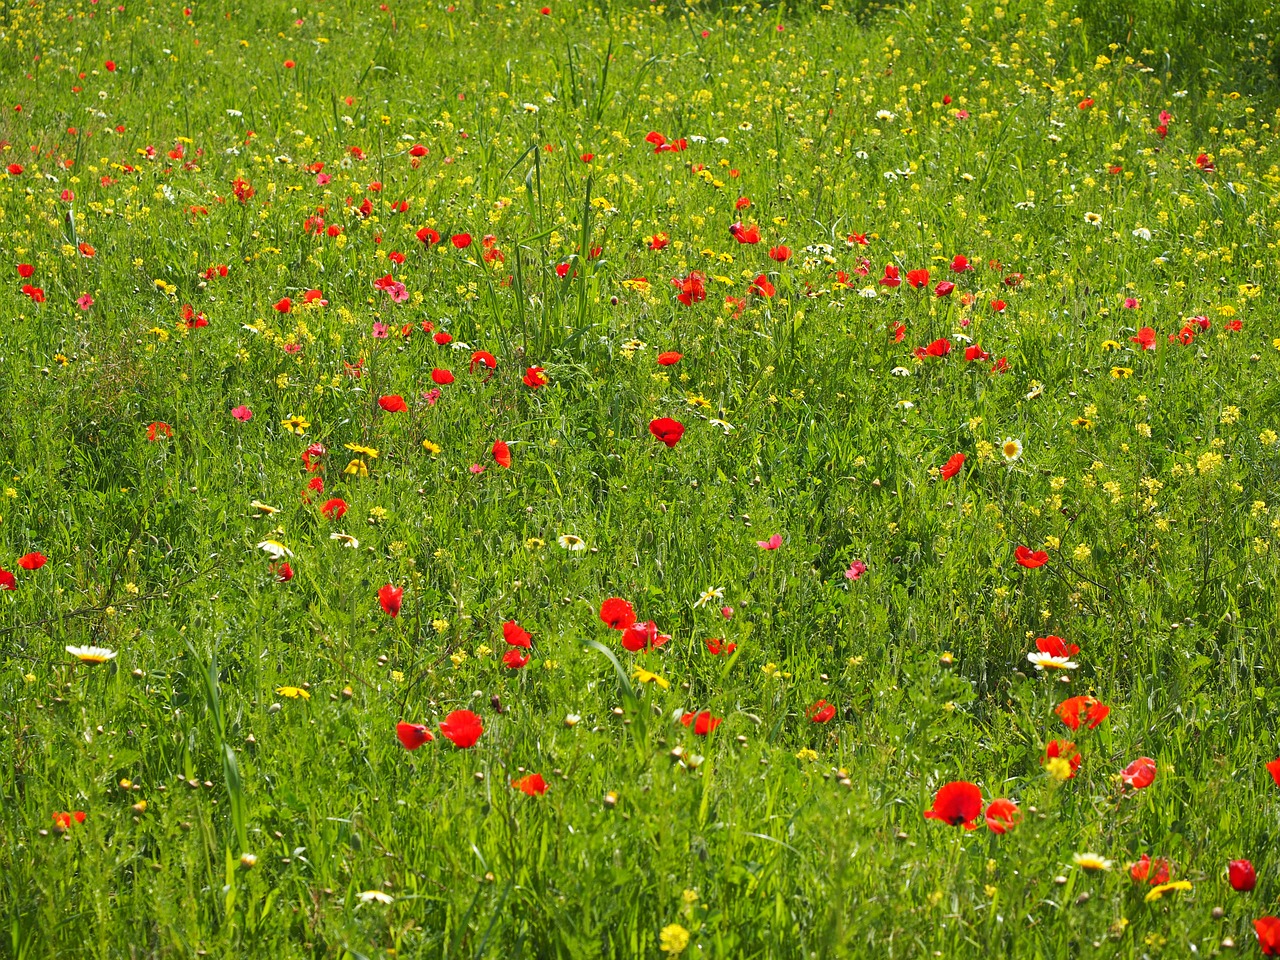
(1011, 449)
(375, 896)
(571, 542)
(275, 549)
(345, 539)
(1047, 661)
(709, 594)
(92, 654)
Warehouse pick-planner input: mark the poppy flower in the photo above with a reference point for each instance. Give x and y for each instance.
(659, 241)
(667, 430)
(717, 647)
(516, 635)
(938, 348)
(32, 561)
(460, 241)
(1056, 646)
(531, 784)
(25, 270)
(1066, 751)
(960, 264)
(975, 352)
(761, 287)
(35, 293)
(413, 735)
(1273, 768)
(1241, 875)
(1031, 559)
(513, 659)
(502, 454)
(953, 466)
(617, 614)
(1146, 338)
(242, 413)
(462, 728)
(1268, 931)
(702, 722)
(15, 169)
(441, 377)
(958, 803)
(484, 359)
(158, 429)
(1146, 870)
(1139, 774)
(394, 403)
(998, 306)
(7, 580)
(1074, 709)
(390, 598)
(61, 821)
(670, 358)
(773, 543)
(943, 288)
(918, 278)
(1002, 816)
(334, 508)
(643, 636)
(693, 288)
(534, 378)
(742, 234)
(820, 712)
(283, 305)
(890, 278)
(780, 253)
(427, 236)
(283, 572)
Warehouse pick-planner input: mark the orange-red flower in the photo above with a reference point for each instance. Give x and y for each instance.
(462, 728)
(958, 803)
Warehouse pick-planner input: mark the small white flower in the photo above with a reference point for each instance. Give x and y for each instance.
(275, 549)
(905, 405)
(744, 126)
(1180, 94)
(345, 539)
(375, 896)
(697, 138)
(709, 594)
(862, 155)
(1092, 861)
(723, 141)
(1093, 219)
(571, 541)
(1047, 661)
(900, 372)
(868, 292)
(724, 425)
(1142, 233)
(885, 115)
(1011, 449)
(530, 108)
(92, 654)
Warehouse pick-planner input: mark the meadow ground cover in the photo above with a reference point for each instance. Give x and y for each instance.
(726, 481)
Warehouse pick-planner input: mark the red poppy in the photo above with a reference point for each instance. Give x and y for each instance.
(32, 561)
(693, 288)
(516, 635)
(1273, 768)
(460, 241)
(283, 305)
(858, 238)
(658, 241)
(820, 712)
(15, 169)
(975, 352)
(1268, 931)
(899, 332)
(761, 287)
(157, 430)
(670, 358)
(394, 403)
(1056, 646)
(61, 821)
(1065, 750)
(513, 659)
(943, 288)
(667, 430)
(482, 358)
(1140, 773)
(7, 580)
(702, 722)
(953, 466)
(918, 278)
(334, 508)
(1146, 338)
(960, 264)
(1075, 709)
(441, 378)
(1154, 872)
(534, 378)
(1085, 104)
(643, 636)
(390, 598)
(25, 270)
(35, 293)
(1204, 163)
(283, 572)
(1031, 559)
(743, 234)
(427, 236)
(890, 278)
(587, 157)
(462, 728)
(958, 803)
(562, 270)
(742, 203)
(443, 337)
(413, 735)
(780, 253)
(1002, 815)
(939, 348)
(617, 613)
(717, 647)
(502, 454)
(1242, 876)
(532, 783)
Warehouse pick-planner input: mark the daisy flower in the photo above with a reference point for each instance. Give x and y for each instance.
(1047, 661)
(571, 542)
(709, 594)
(1091, 862)
(1011, 449)
(275, 549)
(92, 654)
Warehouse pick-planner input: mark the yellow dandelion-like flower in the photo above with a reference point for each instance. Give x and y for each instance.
(296, 424)
(673, 939)
(1159, 891)
(293, 693)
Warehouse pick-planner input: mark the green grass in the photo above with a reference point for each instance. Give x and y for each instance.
(1149, 477)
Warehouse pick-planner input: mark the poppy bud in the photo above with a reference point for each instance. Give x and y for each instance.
(1242, 875)
(496, 702)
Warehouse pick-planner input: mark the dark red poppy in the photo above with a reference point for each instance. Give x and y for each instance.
(532, 783)
(1242, 876)
(283, 572)
(938, 348)
(394, 403)
(516, 635)
(1056, 646)
(1002, 815)
(25, 270)
(975, 352)
(513, 659)
(1066, 750)
(484, 359)
(462, 728)
(667, 430)
(1075, 709)
(943, 288)
(1268, 931)
(743, 234)
(960, 264)
(14, 169)
(32, 561)
(283, 305)
(390, 598)
(643, 636)
(617, 613)
(953, 466)
(502, 454)
(761, 287)
(693, 288)
(780, 253)
(413, 735)
(334, 508)
(1031, 559)
(702, 722)
(958, 803)
(670, 358)
(820, 712)
(427, 236)
(1139, 774)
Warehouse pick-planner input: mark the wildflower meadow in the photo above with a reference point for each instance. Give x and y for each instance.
(621, 479)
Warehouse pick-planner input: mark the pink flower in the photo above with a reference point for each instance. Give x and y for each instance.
(855, 571)
(322, 179)
(726, 612)
(242, 413)
(380, 330)
(773, 543)
(432, 395)
(1131, 304)
(84, 302)
(477, 468)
